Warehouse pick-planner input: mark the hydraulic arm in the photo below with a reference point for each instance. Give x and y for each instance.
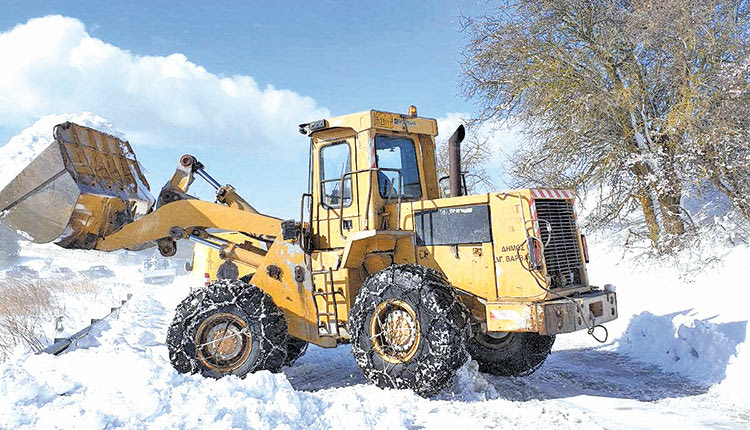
(86, 190)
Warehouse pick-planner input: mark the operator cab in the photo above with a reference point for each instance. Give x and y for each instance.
(362, 163)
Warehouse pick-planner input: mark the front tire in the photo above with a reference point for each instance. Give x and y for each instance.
(296, 348)
(409, 329)
(509, 354)
(227, 328)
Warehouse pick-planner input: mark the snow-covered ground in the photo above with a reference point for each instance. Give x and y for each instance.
(671, 360)
(677, 356)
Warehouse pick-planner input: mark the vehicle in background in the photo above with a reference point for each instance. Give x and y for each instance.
(206, 261)
(21, 272)
(98, 272)
(61, 273)
(158, 271)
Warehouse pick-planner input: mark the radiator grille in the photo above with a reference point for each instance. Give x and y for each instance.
(562, 254)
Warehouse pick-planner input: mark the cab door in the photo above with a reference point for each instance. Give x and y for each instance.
(335, 194)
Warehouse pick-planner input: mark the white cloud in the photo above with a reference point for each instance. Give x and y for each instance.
(448, 124)
(52, 65)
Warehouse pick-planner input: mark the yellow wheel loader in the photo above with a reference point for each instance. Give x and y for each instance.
(414, 282)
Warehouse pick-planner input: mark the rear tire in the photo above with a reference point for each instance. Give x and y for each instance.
(514, 354)
(409, 329)
(295, 349)
(227, 328)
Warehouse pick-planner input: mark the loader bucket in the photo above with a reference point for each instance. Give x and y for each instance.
(83, 186)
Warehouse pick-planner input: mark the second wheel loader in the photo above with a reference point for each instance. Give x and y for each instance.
(415, 282)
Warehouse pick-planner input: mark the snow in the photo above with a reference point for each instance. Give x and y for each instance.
(123, 378)
(698, 350)
(120, 376)
(676, 356)
(24, 147)
(693, 324)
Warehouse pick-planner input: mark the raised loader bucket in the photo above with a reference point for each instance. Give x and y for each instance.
(83, 186)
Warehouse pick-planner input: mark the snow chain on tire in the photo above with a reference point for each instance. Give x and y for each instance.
(296, 348)
(238, 322)
(409, 329)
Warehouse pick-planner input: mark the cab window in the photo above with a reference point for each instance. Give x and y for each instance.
(335, 161)
(396, 154)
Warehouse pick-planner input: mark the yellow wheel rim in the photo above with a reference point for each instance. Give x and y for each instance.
(394, 331)
(223, 342)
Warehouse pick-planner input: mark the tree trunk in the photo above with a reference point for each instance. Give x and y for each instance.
(646, 200)
(671, 213)
(649, 214)
(669, 192)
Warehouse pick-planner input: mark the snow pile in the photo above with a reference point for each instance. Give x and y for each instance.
(700, 349)
(127, 391)
(685, 314)
(25, 146)
(737, 376)
(122, 378)
(471, 385)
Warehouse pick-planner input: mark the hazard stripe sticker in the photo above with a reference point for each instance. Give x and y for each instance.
(544, 193)
(373, 159)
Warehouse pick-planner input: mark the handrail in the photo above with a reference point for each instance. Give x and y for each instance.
(302, 242)
(369, 192)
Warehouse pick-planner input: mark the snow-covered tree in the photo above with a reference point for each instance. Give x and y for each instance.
(619, 96)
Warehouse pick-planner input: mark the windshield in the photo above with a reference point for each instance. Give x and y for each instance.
(399, 154)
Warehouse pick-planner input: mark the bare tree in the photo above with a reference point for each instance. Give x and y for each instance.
(476, 153)
(722, 136)
(614, 95)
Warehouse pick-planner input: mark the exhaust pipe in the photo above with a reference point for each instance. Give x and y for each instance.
(454, 160)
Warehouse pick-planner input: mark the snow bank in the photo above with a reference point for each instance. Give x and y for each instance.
(122, 378)
(735, 384)
(687, 314)
(122, 392)
(700, 350)
(25, 146)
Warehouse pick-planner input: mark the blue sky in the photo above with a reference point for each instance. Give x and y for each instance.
(302, 58)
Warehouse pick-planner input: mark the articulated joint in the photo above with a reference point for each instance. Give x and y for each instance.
(290, 230)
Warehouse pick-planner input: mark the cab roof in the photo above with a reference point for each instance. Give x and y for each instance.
(373, 119)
